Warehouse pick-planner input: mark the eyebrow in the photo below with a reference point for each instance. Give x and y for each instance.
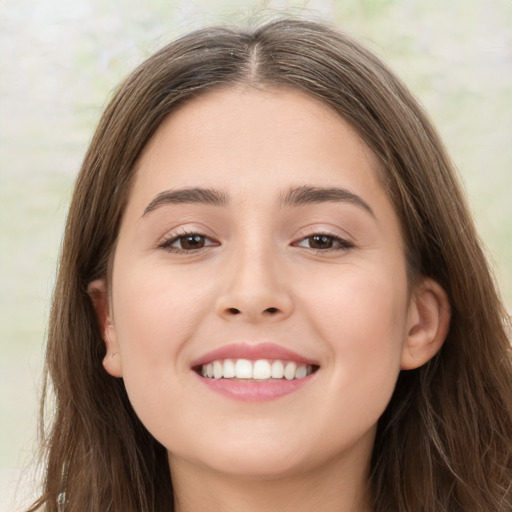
(305, 195)
(297, 196)
(187, 195)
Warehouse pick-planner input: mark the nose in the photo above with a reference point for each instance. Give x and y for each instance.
(256, 289)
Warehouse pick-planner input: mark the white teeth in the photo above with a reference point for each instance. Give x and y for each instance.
(217, 370)
(229, 369)
(301, 372)
(243, 369)
(277, 370)
(262, 369)
(289, 371)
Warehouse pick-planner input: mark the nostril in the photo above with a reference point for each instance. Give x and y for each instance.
(235, 311)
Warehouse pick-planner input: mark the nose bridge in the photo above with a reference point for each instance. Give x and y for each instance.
(255, 287)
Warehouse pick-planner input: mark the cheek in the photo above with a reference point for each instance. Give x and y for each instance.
(155, 315)
(153, 305)
(361, 300)
(363, 320)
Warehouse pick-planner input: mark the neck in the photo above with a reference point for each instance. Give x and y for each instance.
(329, 489)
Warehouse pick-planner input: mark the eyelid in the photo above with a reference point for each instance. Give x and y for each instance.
(345, 242)
(166, 242)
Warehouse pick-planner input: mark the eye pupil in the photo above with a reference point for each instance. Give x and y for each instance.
(321, 241)
(192, 242)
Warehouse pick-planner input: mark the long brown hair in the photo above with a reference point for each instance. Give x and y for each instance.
(444, 442)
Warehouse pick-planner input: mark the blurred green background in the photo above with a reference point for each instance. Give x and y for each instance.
(60, 60)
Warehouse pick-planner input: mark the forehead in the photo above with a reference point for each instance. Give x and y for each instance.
(227, 134)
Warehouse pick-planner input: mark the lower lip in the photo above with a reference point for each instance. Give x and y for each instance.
(250, 391)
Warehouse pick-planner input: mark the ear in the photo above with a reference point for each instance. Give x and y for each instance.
(428, 323)
(98, 294)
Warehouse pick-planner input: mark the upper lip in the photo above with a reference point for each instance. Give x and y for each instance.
(253, 352)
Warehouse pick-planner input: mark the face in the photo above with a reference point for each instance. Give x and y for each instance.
(257, 230)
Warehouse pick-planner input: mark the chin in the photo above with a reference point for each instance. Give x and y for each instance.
(258, 466)
(241, 458)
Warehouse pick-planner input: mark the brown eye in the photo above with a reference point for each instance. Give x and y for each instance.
(191, 242)
(324, 242)
(320, 241)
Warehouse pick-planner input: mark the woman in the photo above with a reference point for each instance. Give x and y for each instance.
(272, 295)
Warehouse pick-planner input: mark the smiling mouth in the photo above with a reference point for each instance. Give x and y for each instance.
(260, 370)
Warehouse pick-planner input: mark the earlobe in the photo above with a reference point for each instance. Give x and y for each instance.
(428, 324)
(98, 294)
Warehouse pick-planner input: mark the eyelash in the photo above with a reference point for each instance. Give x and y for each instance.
(167, 244)
(342, 244)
